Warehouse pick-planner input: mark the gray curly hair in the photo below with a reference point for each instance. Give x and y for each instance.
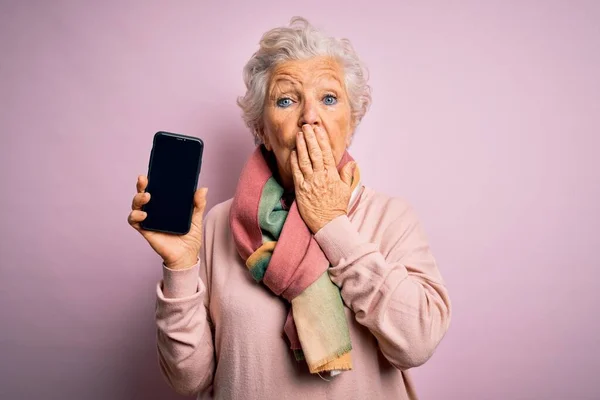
(298, 41)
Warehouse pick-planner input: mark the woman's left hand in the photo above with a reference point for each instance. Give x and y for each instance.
(322, 193)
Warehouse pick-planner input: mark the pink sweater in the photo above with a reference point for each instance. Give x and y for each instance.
(220, 333)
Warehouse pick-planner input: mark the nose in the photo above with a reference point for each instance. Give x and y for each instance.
(310, 114)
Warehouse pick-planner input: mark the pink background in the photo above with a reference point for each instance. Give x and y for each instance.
(485, 116)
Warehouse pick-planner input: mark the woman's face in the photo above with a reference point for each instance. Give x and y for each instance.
(305, 92)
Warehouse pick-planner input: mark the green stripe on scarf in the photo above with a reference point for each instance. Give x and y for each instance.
(271, 217)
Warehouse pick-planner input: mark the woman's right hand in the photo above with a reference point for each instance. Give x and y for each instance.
(177, 251)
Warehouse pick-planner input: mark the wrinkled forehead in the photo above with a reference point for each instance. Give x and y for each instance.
(310, 72)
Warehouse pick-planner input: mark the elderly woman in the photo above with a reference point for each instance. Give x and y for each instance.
(307, 284)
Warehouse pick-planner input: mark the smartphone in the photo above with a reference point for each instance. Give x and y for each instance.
(173, 171)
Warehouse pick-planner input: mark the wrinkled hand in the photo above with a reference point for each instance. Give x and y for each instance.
(322, 193)
(177, 251)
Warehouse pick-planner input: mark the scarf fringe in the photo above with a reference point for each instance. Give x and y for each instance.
(321, 365)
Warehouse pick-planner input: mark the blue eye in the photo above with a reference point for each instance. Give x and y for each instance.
(285, 102)
(330, 100)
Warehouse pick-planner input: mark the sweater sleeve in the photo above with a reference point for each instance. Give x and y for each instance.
(394, 289)
(185, 332)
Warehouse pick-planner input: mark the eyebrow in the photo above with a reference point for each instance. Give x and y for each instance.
(273, 90)
(329, 76)
(285, 82)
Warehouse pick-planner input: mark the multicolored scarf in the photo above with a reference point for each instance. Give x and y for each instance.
(281, 252)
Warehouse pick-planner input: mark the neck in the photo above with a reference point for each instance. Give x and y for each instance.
(286, 182)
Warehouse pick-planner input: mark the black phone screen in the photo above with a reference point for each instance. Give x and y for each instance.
(173, 172)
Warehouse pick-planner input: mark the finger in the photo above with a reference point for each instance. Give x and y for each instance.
(304, 162)
(135, 217)
(139, 200)
(314, 150)
(348, 173)
(326, 151)
(199, 202)
(142, 182)
(296, 172)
